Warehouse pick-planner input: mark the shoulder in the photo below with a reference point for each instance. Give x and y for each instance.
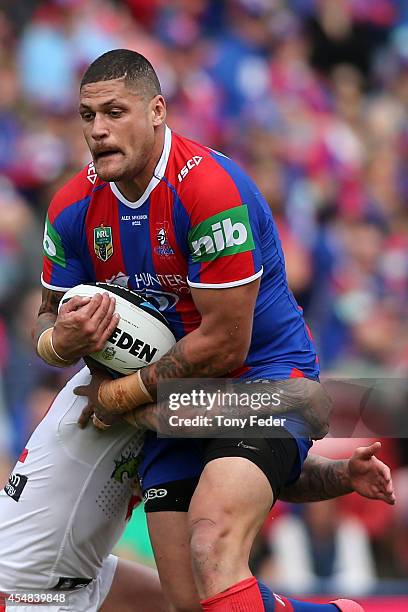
(78, 190)
(205, 180)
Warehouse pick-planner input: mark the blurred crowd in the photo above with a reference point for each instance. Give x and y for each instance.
(311, 97)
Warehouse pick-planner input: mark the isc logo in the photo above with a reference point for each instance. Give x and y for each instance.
(154, 493)
(192, 163)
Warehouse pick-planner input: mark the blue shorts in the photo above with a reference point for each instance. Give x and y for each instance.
(169, 459)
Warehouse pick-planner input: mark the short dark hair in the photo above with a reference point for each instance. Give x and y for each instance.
(131, 66)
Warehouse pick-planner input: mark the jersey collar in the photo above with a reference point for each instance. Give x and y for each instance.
(156, 178)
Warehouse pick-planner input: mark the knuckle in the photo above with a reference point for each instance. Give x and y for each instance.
(89, 328)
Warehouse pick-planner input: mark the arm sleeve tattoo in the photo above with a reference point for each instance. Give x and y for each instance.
(47, 313)
(321, 479)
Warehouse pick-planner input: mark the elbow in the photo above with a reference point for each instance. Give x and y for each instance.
(232, 358)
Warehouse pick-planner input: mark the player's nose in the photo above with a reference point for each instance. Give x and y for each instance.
(99, 127)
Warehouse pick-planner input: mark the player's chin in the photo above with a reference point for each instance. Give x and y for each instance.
(109, 171)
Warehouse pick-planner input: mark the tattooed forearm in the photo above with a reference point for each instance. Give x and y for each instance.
(296, 395)
(320, 479)
(47, 313)
(181, 362)
(50, 301)
(145, 417)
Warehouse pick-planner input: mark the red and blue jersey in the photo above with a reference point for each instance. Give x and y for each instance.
(200, 223)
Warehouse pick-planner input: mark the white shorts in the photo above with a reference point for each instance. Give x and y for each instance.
(86, 599)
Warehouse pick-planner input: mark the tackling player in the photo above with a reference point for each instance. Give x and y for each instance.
(62, 511)
(68, 498)
(183, 224)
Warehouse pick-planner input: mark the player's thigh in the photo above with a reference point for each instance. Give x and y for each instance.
(239, 484)
(169, 536)
(135, 588)
(231, 501)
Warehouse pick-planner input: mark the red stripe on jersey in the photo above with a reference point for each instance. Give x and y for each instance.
(208, 183)
(78, 188)
(104, 211)
(173, 265)
(23, 455)
(134, 501)
(228, 269)
(295, 373)
(238, 372)
(284, 603)
(207, 190)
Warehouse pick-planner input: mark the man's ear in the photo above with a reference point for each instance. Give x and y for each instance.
(158, 110)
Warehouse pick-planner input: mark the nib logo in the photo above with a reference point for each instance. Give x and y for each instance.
(225, 233)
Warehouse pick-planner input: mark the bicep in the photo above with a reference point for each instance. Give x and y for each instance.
(227, 312)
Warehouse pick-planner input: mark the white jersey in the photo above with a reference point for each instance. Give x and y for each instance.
(68, 498)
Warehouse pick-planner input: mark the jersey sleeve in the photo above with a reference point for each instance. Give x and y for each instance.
(224, 248)
(63, 267)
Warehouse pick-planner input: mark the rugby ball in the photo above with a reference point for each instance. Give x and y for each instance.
(142, 335)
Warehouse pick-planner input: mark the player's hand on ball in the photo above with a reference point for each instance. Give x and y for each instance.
(369, 476)
(103, 418)
(84, 325)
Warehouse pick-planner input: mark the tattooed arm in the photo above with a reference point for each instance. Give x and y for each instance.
(219, 345)
(47, 314)
(323, 478)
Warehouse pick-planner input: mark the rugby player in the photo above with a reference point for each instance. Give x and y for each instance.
(183, 224)
(69, 497)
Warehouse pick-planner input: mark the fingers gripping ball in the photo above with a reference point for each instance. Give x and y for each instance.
(142, 335)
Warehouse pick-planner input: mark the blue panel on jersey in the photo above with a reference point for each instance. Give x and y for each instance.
(277, 316)
(79, 268)
(250, 195)
(137, 254)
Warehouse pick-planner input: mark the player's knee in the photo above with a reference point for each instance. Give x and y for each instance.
(209, 540)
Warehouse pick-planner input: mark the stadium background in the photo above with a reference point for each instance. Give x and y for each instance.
(311, 97)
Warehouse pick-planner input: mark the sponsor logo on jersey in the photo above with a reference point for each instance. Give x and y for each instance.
(154, 494)
(144, 282)
(91, 174)
(127, 464)
(103, 243)
(177, 283)
(120, 279)
(226, 233)
(134, 346)
(162, 300)
(164, 249)
(52, 245)
(192, 163)
(15, 485)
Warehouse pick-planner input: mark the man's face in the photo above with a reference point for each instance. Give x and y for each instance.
(118, 126)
